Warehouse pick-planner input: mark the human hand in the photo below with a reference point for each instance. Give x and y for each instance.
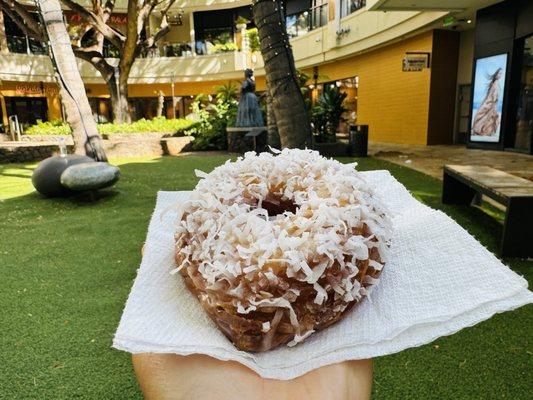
(199, 377)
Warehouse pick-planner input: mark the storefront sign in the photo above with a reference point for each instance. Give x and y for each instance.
(415, 61)
(77, 26)
(114, 19)
(487, 101)
(34, 88)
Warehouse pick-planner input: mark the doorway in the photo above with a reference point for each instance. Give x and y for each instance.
(524, 113)
(29, 110)
(463, 114)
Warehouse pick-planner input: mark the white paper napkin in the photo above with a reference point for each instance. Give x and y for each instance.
(439, 280)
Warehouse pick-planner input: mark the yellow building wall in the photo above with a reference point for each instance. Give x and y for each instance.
(395, 104)
(178, 34)
(30, 89)
(180, 88)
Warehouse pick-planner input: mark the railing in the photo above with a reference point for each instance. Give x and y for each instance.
(301, 23)
(351, 6)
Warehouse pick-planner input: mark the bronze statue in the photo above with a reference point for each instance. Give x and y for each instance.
(249, 112)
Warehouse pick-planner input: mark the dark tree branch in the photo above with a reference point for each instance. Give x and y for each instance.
(94, 56)
(99, 24)
(23, 18)
(164, 27)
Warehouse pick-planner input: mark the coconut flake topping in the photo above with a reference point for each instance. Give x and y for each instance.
(295, 212)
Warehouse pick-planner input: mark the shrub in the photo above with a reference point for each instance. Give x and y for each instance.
(212, 119)
(56, 127)
(227, 91)
(253, 39)
(225, 47)
(158, 124)
(327, 113)
(242, 20)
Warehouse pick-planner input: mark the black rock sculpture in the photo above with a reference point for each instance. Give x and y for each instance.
(47, 176)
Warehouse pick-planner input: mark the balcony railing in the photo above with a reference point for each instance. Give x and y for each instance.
(351, 6)
(301, 23)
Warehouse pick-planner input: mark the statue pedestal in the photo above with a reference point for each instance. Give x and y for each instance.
(246, 138)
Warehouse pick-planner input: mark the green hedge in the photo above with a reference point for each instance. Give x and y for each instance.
(57, 127)
(159, 124)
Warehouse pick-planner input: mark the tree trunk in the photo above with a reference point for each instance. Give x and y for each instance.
(160, 103)
(272, 129)
(288, 103)
(119, 99)
(3, 39)
(71, 88)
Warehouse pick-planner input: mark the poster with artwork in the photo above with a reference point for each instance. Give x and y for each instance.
(487, 102)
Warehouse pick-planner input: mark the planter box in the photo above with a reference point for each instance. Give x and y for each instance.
(67, 139)
(119, 137)
(175, 145)
(337, 149)
(37, 148)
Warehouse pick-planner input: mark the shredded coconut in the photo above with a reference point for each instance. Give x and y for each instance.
(226, 232)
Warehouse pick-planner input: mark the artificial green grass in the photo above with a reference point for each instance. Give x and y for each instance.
(67, 266)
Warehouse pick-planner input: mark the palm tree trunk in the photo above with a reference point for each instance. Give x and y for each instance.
(288, 103)
(272, 129)
(3, 39)
(71, 89)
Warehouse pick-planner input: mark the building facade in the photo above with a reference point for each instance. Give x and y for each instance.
(407, 67)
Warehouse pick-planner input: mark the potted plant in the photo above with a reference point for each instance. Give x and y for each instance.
(325, 117)
(241, 23)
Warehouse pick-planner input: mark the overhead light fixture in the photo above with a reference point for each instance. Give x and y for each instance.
(468, 21)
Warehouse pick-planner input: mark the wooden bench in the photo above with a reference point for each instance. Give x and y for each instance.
(462, 184)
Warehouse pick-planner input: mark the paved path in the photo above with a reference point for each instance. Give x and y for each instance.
(431, 159)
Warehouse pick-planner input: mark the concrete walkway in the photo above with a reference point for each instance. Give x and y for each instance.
(431, 159)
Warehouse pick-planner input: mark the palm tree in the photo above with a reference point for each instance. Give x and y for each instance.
(327, 113)
(227, 91)
(286, 100)
(71, 89)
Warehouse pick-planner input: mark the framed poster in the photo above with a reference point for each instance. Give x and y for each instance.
(487, 99)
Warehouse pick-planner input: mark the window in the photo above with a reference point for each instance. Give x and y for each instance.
(319, 13)
(18, 42)
(301, 16)
(350, 6)
(215, 30)
(297, 24)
